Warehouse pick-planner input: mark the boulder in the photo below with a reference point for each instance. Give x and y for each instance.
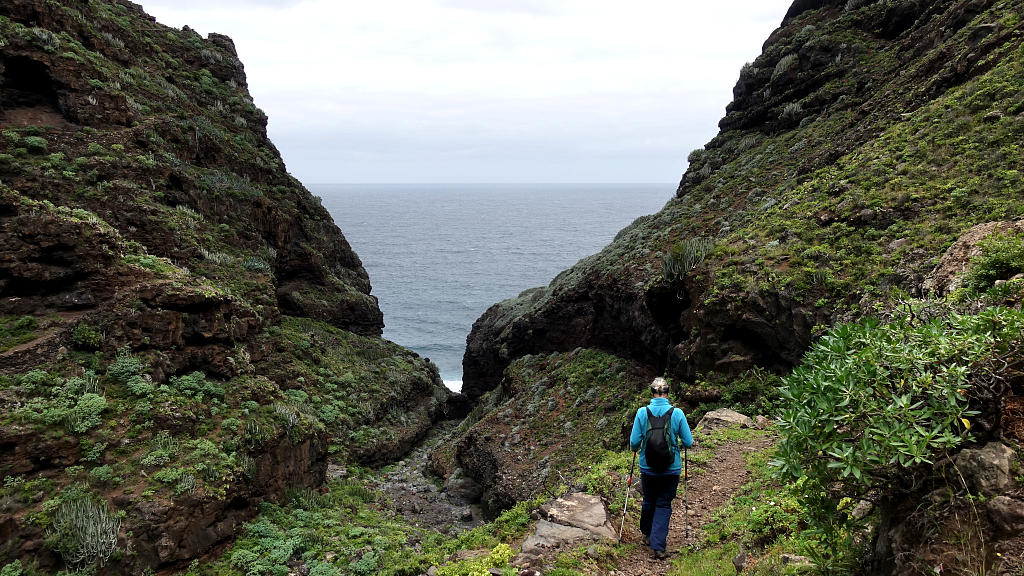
(579, 510)
(986, 470)
(548, 536)
(723, 418)
(1006, 514)
(566, 522)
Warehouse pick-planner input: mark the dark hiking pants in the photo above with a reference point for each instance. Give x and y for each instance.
(656, 510)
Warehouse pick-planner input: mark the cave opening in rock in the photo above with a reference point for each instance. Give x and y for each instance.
(26, 85)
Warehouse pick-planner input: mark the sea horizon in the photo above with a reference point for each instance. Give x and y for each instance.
(483, 183)
(438, 255)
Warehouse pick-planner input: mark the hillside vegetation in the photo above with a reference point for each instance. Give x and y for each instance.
(864, 189)
(184, 332)
(192, 378)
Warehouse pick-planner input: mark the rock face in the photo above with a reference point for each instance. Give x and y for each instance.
(193, 329)
(317, 273)
(860, 145)
(784, 193)
(1007, 514)
(986, 470)
(176, 531)
(956, 259)
(540, 429)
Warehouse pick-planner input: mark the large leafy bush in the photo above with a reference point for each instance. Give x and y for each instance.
(874, 400)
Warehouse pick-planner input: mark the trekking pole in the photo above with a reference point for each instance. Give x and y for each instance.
(686, 507)
(628, 484)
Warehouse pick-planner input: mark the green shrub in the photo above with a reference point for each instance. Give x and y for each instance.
(140, 386)
(685, 256)
(321, 569)
(197, 386)
(86, 337)
(101, 474)
(1002, 256)
(86, 413)
(16, 330)
(162, 448)
(35, 144)
(124, 366)
(91, 452)
(498, 558)
(871, 401)
(75, 402)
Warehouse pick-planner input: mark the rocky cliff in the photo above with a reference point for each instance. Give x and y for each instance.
(867, 139)
(861, 142)
(184, 331)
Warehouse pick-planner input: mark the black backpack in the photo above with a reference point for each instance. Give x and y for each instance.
(657, 448)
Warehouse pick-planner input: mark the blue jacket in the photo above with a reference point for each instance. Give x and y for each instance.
(679, 431)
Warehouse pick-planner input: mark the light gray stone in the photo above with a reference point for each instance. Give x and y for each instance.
(796, 561)
(549, 535)
(1006, 514)
(862, 509)
(986, 470)
(334, 471)
(723, 418)
(584, 511)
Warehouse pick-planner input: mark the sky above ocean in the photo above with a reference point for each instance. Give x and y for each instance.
(487, 90)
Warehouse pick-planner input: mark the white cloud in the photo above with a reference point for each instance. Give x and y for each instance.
(443, 88)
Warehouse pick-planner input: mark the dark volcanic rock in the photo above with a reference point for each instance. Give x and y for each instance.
(182, 301)
(831, 80)
(318, 274)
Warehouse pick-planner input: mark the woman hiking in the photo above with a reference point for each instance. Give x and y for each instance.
(658, 430)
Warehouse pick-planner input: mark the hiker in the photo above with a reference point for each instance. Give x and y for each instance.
(658, 429)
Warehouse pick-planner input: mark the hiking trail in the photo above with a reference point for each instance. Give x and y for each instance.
(709, 489)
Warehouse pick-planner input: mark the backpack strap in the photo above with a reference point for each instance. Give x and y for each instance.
(643, 436)
(668, 430)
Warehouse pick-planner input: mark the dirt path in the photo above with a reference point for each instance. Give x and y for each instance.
(708, 491)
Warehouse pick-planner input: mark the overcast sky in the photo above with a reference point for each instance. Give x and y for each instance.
(487, 90)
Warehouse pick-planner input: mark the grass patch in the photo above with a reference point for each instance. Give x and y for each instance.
(17, 330)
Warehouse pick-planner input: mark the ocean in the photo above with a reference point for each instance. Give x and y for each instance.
(439, 255)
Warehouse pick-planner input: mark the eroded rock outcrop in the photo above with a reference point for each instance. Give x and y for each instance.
(805, 226)
(863, 142)
(956, 260)
(191, 334)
